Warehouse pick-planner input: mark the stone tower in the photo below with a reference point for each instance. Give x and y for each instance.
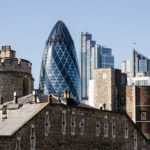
(15, 75)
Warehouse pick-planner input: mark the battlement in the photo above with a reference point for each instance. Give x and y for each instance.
(17, 65)
(9, 62)
(6, 52)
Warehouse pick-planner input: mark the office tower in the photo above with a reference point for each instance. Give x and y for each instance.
(137, 69)
(59, 69)
(86, 45)
(107, 60)
(93, 56)
(139, 63)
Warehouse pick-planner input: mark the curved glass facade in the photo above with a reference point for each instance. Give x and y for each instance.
(59, 69)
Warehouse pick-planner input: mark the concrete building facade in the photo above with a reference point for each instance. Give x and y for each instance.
(15, 75)
(138, 107)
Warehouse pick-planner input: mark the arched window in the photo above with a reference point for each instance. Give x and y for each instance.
(25, 87)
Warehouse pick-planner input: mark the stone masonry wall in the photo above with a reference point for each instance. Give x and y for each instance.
(13, 81)
(75, 128)
(15, 75)
(102, 88)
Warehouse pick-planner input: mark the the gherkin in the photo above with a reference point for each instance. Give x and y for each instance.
(60, 69)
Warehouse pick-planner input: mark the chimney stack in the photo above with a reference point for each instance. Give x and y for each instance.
(34, 96)
(15, 100)
(49, 98)
(66, 93)
(59, 100)
(4, 113)
(1, 100)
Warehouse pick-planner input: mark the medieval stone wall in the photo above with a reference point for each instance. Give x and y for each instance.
(109, 88)
(15, 75)
(75, 128)
(102, 88)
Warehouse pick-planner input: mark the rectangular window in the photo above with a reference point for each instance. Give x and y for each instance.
(143, 115)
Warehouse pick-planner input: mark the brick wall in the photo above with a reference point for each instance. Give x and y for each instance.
(137, 101)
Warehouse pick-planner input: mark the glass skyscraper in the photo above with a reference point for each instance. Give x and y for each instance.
(106, 58)
(93, 56)
(59, 69)
(137, 69)
(86, 45)
(137, 63)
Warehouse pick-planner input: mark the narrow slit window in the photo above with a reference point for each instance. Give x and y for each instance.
(73, 124)
(97, 126)
(63, 122)
(82, 124)
(113, 128)
(105, 126)
(32, 137)
(47, 124)
(18, 143)
(135, 140)
(126, 129)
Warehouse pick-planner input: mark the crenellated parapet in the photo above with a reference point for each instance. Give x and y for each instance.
(9, 62)
(17, 65)
(15, 74)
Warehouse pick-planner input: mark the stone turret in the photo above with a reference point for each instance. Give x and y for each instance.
(6, 52)
(15, 75)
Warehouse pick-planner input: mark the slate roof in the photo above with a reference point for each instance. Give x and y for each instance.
(19, 118)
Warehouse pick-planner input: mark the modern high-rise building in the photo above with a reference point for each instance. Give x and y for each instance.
(137, 68)
(139, 63)
(60, 69)
(86, 45)
(93, 56)
(106, 58)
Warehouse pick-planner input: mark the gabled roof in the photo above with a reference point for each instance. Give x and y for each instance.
(19, 118)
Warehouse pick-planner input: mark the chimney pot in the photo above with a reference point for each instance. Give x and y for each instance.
(34, 96)
(15, 100)
(49, 98)
(1, 100)
(66, 93)
(59, 98)
(4, 113)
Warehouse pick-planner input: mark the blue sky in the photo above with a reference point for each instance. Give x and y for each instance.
(25, 25)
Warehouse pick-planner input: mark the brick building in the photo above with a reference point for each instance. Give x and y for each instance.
(108, 89)
(43, 123)
(15, 75)
(138, 107)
